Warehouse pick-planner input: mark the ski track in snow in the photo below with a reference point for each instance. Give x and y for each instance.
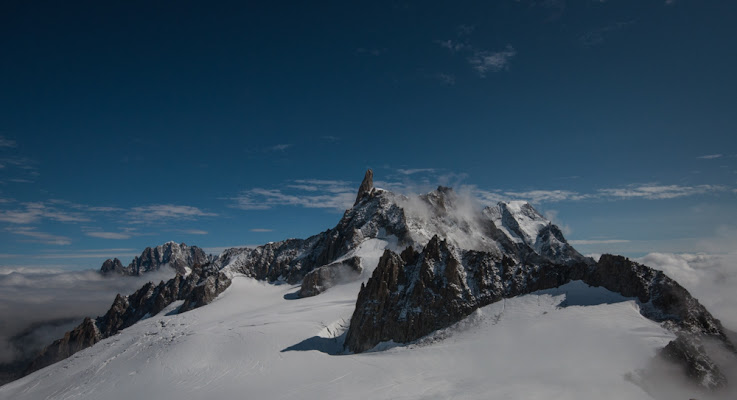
(566, 343)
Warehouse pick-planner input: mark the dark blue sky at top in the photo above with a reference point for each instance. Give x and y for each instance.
(252, 116)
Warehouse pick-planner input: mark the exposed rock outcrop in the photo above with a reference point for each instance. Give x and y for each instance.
(180, 257)
(111, 266)
(688, 352)
(366, 186)
(197, 289)
(662, 298)
(411, 295)
(325, 277)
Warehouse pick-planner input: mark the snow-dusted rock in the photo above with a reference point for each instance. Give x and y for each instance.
(180, 257)
(411, 295)
(325, 277)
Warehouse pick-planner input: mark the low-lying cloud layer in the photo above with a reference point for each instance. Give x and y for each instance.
(711, 278)
(38, 307)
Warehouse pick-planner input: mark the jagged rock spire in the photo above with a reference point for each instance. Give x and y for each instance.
(366, 186)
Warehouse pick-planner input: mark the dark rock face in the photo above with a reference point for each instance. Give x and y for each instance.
(379, 214)
(112, 266)
(291, 260)
(325, 277)
(180, 257)
(366, 186)
(81, 337)
(663, 298)
(204, 292)
(686, 350)
(197, 289)
(411, 295)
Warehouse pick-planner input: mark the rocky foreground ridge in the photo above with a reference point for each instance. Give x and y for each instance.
(198, 288)
(455, 259)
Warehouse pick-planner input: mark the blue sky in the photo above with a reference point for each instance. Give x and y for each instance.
(128, 125)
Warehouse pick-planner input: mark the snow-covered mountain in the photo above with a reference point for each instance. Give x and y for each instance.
(436, 275)
(179, 257)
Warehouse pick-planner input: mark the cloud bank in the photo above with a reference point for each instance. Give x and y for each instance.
(38, 306)
(711, 278)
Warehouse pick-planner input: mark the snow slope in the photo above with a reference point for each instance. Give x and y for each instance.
(257, 342)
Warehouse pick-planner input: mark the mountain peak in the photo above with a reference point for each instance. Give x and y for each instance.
(178, 256)
(366, 186)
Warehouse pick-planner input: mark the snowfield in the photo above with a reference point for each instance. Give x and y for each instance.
(256, 341)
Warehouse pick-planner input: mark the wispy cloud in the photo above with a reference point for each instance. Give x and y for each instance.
(280, 147)
(415, 171)
(19, 216)
(68, 212)
(21, 163)
(37, 211)
(17, 169)
(635, 191)
(105, 209)
(308, 193)
(195, 232)
(73, 254)
(543, 196)
(533, 196)
(109, 235)
(487, 196)
(481, 60)
(261, 230)
(597, 241)
(164, 212)
(710, 156)
(453, 45)
(340, 195)
(330, 138)
(40, 237)
(26, 269)
(5, 142)
(658, 192)
(491, 61)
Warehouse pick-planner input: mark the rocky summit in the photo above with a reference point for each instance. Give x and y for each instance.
(179, 257)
